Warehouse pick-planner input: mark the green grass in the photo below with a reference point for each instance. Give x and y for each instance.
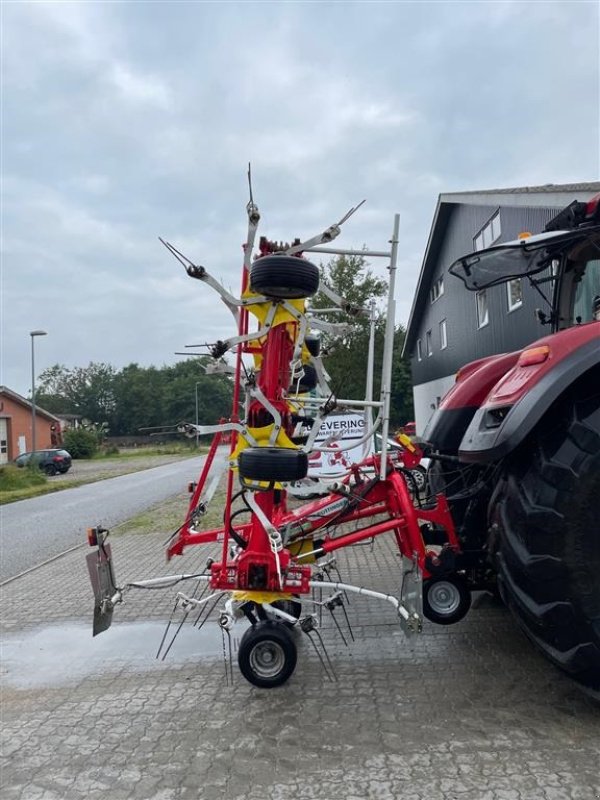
(17, 483)
(23, 483)
(167, 516)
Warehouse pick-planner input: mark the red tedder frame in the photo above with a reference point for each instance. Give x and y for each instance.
(374, 497)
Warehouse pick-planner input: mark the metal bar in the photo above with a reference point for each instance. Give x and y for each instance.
(348, 539)
(340, 252)
(388, 351)
(365, 592)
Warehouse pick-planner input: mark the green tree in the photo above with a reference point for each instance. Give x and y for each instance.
(87, 391)
(346, 357)
(81, 442)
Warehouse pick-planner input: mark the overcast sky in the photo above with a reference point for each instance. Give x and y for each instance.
(126, 121)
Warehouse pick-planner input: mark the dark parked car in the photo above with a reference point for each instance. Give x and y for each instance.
(50, 461)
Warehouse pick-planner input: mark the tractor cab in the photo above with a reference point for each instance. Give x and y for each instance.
(565, 256)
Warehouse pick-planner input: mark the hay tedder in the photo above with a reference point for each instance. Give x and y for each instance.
(277, 569)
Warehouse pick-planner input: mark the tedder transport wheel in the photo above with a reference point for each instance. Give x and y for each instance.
(267, 654)
(284, 277)
(546, 535)
(313, 344)
(420, 477)
(446, 600)
(273, 464)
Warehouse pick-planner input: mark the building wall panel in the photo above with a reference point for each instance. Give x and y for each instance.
(506, 330)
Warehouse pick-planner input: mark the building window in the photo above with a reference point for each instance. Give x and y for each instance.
(419, 350)
(428, 344)
(443, 335)
(489, 234)
(514, 290)
(483, 314)
(437, 290)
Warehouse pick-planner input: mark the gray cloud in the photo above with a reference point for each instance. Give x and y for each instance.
(125, 121)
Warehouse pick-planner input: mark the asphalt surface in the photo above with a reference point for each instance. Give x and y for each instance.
(32, 531)
(462, 712)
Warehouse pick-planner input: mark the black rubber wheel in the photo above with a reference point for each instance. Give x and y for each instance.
(313, 344)
(546, 537)
(446, 599)
(420, 477)
(284, 277)
(272, 464)
(50, 469)
(307, 382)
(267, 654)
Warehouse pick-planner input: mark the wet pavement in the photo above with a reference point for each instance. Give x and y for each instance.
(465, 712)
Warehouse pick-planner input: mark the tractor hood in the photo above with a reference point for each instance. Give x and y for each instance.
(510, 260)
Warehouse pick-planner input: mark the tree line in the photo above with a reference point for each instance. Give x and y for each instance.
(135, 397)
(129, 400)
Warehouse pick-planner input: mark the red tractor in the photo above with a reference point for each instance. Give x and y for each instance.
(517, 441)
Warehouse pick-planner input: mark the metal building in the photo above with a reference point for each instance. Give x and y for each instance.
(450, 326)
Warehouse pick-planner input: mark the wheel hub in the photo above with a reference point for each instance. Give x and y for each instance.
(444, 598)
(267, 659)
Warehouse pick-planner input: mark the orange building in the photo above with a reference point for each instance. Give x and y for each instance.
(15, 426)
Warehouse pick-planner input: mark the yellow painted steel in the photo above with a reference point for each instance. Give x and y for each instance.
(260, 597)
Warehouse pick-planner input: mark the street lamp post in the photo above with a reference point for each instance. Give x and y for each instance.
(33, 334)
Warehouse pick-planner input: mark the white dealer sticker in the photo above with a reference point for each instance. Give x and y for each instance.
(336, 432)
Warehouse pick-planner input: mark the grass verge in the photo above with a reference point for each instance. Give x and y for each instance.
(175, 449)
(169, 515)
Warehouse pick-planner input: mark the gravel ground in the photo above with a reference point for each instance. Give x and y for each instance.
(96, 470)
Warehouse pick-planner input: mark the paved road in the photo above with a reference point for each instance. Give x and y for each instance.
(32, 531)
(462, 712)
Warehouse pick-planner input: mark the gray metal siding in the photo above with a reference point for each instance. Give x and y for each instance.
(506, 330)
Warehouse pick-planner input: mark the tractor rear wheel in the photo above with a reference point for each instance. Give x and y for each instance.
(546, 536)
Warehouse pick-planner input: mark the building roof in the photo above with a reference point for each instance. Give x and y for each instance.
(23, 401)
(549, 195)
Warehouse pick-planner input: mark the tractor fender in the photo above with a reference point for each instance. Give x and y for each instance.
(519, 400)
(474, 381)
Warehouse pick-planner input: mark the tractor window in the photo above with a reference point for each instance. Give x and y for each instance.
(586, 290)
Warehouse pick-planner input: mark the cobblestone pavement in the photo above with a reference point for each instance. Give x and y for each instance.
(467, 712)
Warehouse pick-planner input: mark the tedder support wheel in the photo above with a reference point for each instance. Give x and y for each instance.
(267, 654)
(546, 536)
(446, 600)
(307, 382)
(273, 464)
(284, 277)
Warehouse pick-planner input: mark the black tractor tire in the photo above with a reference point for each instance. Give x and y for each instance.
(267, 654)
(446, 600)
(273, 464)
(313, 344)
(284, 277)
(545, 533)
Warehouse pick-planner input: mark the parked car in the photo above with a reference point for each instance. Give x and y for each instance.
(50, 461)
